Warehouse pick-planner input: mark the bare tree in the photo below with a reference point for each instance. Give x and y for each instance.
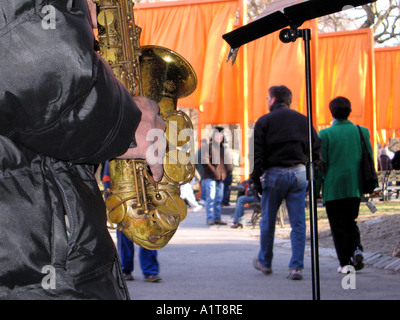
(385, 22)
(255, 7)
(383, 17)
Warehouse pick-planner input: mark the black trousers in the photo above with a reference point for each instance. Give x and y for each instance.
(342, 214)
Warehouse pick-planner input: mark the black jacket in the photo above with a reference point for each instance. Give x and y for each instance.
(396, 160)
(281, 139)
(57, 96)
(61, 108)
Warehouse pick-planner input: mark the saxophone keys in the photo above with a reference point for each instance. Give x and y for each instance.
(178, 130)
(176, 169)
(105, 17)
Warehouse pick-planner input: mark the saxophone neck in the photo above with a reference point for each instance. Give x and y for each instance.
(167, 106)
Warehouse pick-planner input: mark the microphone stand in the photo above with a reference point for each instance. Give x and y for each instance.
(286, 36)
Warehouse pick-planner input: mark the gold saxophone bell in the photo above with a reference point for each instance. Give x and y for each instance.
(167, 76)
(148, 213)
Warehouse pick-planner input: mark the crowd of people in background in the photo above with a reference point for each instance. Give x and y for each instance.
(280, 159)
(281, 153)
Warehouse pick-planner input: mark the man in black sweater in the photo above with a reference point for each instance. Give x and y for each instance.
(280, 155)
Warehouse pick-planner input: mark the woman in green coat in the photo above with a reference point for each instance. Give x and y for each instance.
(341, 182)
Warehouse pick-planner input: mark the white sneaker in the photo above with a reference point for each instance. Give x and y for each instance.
(346, 269)
(198, 208)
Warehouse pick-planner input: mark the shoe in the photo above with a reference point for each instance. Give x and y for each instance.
(220, 222)
(359, 266)
(202, 202)
(346, 269)
(210, 223)
(258, 266)
(358, 259)
(237, 225)
(198, 208)
(152, 278)
(295, 274)
(128, 276)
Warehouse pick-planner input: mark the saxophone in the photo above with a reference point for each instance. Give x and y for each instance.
(147, 212)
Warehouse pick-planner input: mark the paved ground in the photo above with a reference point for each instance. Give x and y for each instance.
(215, 263)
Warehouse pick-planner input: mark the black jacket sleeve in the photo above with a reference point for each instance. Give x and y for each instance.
(258, 155)
(58, 97)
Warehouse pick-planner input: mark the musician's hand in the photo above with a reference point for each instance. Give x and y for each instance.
(149, 136)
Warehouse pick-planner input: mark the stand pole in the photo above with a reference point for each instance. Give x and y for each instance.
(286, 36)
(311, 174)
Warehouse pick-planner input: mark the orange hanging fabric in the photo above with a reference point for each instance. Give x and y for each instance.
(194, 30)
(346, 69)
(270, 62)
(387, 64)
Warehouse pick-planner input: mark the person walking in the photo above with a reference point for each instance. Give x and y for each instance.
(341, 182)
(280, 153)
(216, 163)
(147, 259)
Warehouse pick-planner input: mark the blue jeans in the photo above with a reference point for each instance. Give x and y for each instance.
(148, 261)
(203, 190)
(239, 210)
(126, 251)
(227, 190)
(289, 183)
(214, 194)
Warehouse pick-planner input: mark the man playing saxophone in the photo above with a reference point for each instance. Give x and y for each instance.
(62, 111)
(148, 213)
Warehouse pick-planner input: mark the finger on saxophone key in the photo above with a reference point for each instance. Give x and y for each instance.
(149, 137)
